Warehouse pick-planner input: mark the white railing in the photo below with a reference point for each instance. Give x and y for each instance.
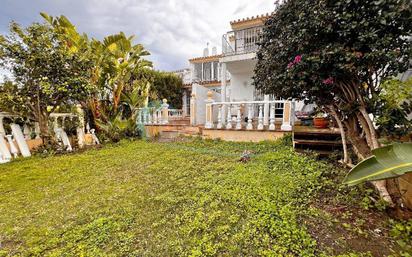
(175, 113)
(250, 115)
(156, 115)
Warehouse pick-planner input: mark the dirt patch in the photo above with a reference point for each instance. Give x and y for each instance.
(341, 229)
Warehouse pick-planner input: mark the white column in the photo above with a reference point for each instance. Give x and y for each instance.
(223, 79)
(184, 103)
(266, 111)
(2, 130)
(209, 110)
(272, 125)
(287, 115)
(219, 117)
(260, 119)
(193, 109)
(249, 117)
(229, 117)
(212, 74)
(165, 112)
(239, 118)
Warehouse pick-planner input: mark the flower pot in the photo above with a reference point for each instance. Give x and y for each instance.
(321, 123)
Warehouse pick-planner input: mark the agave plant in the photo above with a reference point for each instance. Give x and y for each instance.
(387, 162)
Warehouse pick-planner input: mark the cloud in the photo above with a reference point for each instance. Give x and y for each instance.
(172, 30)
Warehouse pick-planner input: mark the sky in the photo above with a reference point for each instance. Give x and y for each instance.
(172, 30)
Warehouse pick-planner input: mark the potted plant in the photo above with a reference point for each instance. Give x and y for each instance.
(320, 120)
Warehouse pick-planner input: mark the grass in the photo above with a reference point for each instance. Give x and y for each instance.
(170, 199)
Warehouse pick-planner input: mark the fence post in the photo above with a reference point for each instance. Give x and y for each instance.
(193, 110)
(287, 115)
(165, 112)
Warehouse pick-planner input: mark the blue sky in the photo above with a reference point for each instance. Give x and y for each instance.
(172, 30)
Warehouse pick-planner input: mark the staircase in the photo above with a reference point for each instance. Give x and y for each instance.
(323, 142)
(179, 127)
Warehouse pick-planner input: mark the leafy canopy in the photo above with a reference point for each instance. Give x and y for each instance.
(46, 75)
(314, 49)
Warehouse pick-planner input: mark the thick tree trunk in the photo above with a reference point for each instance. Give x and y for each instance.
(346, 159)
(363, 148)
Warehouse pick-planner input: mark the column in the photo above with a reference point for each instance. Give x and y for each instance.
(165, 112)
(193, 109)
(287, 113)
(2, 130)
(209, 111)
(223, 74)
(184, 103)
(266, 110)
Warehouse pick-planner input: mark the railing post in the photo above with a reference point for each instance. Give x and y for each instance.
(13, 149)
(37, 129)
(239, 118)
(219, 117)
(2, 130)
(155, 117)
(165, 112)
(229, 117)
(266, 111)
(209, 110)
(150, 117)
(260, 119)
(193, 109)
(26, 132)
(272, 125)
(287, 114)
(249, 117)
(145, 113)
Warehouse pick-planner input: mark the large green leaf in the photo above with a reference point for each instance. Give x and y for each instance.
(387, 162)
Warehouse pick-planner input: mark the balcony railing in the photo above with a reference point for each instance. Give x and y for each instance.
(241, 41)
(250, 115)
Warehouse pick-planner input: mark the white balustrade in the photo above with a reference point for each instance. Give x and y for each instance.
(260, 115)
(219, 117)
(272, 125)
(229, 117)
(239, 118)
(260, 118)
(250, 117)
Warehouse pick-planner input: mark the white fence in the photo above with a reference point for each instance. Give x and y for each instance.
(250, 115)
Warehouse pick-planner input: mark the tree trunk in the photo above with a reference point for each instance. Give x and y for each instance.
(346, 159)
(43, 120)
(363, 148)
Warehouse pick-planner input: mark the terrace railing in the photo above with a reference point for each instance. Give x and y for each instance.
(241, 41)
(250, 115)
(158, 115)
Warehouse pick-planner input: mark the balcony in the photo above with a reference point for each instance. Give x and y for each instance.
(241, 41)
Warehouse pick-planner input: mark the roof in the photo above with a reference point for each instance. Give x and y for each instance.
(209, 58)
(250, 21)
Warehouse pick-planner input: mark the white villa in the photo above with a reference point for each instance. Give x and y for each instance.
(219, 92)
(220, 100)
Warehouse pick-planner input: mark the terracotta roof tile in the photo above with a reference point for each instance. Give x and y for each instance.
(262, 16)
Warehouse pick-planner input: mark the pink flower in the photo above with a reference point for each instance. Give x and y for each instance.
(328, 81)
(298, 59)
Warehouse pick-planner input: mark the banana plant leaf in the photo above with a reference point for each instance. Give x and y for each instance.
(387, 162)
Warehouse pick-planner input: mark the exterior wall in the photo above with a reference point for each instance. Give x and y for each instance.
(242, 136)
(241, 87)
(201, 97)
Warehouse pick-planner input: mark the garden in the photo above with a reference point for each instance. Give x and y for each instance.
(94, 185)
(191, 198)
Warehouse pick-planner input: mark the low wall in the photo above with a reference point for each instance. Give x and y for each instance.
(242, 135)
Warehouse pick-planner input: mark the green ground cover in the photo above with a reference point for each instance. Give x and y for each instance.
(182, 199)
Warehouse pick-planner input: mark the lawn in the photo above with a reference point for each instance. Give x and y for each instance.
(180, 199)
